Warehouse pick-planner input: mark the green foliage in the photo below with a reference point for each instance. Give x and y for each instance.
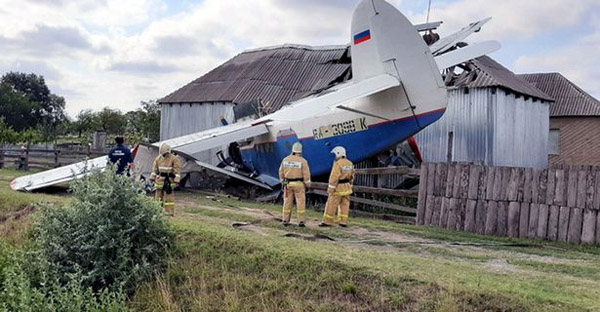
(26, 284)
(7, 134)
(110, 120)
(16, 108)
(27, 103)
(113, 233)
(145, 121)
(30, 136)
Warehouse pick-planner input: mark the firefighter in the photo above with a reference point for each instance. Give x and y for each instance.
(339, 189)
(294, 174)
(166, 174)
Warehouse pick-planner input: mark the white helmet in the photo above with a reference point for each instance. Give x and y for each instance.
(164, 148)
(297, 148)
(339, 151)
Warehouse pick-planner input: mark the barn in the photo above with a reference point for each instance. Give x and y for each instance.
(493, 116)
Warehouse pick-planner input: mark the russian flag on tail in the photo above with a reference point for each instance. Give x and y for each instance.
(362, 36)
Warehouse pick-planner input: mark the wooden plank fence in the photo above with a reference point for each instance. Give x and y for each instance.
(43, 158)
(560, 203)
(320, 188)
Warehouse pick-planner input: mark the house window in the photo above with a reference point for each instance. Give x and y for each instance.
(554, 142)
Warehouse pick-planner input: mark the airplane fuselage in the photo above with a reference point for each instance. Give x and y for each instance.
(363, 136)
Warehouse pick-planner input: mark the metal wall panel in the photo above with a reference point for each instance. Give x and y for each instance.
(181, 119)
(491, 127)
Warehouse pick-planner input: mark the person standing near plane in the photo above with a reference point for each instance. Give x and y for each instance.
(294, 174)
(120, 155)
(166, 173)
(339, 188)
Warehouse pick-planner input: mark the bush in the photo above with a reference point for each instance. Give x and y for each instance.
(112, 233)
(25, 285)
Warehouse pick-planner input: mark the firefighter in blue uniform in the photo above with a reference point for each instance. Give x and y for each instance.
(120, 155)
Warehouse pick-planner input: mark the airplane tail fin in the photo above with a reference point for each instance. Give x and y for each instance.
(385, 42)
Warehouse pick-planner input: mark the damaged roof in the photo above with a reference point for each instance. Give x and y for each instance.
(282, 74)
(570, 100)
(275, 75)
(485, 72)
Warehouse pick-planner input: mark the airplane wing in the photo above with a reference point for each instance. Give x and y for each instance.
(464, 54)
(448, 42)
(200, 141)
(58, 175)
(189, 144)
(331, 98)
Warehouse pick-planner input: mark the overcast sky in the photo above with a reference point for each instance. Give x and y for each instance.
(116, 53)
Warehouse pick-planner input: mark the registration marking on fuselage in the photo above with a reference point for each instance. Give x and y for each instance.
(349, 126)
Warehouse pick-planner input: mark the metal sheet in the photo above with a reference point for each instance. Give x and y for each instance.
(491, 127)
(58, 175)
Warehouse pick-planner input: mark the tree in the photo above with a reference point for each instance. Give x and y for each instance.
(30, 136)
(15, 108)
(111, 120)
(145, 120)
(46, 110)
(84, 122)
(7, 134)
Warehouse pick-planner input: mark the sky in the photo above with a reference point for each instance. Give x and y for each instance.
(116, 53)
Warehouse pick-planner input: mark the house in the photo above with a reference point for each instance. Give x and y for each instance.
(574, 137)
(493, 116)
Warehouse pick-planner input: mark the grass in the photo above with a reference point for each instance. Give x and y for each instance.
(373, 265)
(16, 207)
(218, 267)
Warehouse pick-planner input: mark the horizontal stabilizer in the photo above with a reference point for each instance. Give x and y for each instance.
(331, 98)
(446, 43)
(467, 53)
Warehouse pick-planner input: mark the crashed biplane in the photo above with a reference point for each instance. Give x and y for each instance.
(396, 90)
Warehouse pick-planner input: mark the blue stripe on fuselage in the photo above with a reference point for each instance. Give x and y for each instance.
(265, 158)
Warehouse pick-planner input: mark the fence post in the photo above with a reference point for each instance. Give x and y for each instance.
(1, 158)
(56, 163)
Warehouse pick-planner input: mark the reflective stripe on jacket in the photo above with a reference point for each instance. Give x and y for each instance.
(342, 169)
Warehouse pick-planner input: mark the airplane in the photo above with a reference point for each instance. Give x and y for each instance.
(396, 90)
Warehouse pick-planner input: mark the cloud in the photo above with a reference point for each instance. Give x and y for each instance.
(143, 67)
(45, 40)
(31, 66)
(176, 45)
(578, 62)
(511, 18)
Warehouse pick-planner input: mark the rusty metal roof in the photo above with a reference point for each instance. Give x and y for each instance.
(570, 100)
(281, 74)
(485, 72)
(274, 75)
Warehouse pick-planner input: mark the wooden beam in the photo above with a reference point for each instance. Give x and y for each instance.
(390, 170)
(372, 190)
(371, 202)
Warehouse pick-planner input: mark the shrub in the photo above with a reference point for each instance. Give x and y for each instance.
(25, 285)
(112, 233)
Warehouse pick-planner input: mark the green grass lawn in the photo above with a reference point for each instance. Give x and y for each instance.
(373, 265)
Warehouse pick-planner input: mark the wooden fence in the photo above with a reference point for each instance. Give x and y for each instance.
(320, 188)
(43, 158)
(555, 204)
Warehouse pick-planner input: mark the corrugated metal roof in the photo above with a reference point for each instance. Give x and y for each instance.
(570, 100)
(274, 75)
(485, 72)
(279, 75)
